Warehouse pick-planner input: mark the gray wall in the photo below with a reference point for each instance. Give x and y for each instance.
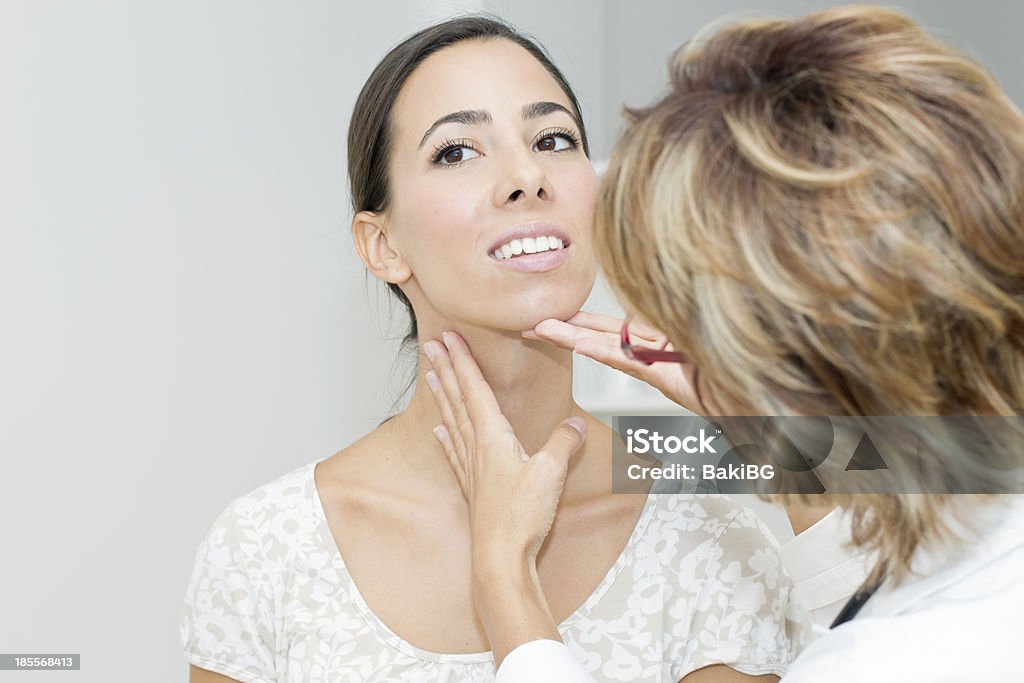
(183, 317)
(640, 34)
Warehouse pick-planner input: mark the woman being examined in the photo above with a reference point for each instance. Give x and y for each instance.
(473, 196)
(826, 217)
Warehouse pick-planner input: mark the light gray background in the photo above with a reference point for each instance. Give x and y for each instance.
(182, 317)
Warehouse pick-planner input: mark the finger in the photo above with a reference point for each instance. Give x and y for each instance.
(447, 416)
(604, 347)
(608, 351)
(567, 438)
(461, 427)
(588, 326)
(669, 378)
(565, 334)
(642, 330)
(477, 396)
(455, 461)
(596, 321)
(607, 323)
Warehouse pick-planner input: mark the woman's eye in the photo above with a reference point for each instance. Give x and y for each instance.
(456, 154)
(553, 143)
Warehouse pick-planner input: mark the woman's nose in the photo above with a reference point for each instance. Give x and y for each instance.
(524, 182)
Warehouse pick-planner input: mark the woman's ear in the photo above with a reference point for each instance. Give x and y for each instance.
(376, 249)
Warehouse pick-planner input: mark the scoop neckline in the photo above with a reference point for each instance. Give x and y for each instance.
(386, 635)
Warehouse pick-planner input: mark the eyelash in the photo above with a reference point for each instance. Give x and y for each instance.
(448, 145)
(574, 140)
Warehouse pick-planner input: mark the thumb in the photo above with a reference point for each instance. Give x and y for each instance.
(565, 440)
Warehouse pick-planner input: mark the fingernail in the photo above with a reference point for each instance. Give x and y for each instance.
(447, 339)
(430, 351)
(439, 433)
(579, 424)
(530, 334)
(432, 381)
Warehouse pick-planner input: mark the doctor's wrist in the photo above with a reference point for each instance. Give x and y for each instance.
(492, 569)
(511, 604)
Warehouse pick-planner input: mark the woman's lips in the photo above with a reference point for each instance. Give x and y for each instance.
(535, 263)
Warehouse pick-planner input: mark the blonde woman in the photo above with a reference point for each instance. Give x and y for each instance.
(826, 216)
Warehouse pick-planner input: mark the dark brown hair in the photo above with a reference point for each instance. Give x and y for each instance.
(371, 129)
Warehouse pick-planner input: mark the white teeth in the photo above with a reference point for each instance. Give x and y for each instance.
(527, 245)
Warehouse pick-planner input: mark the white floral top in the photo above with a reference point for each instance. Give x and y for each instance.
(698, 583)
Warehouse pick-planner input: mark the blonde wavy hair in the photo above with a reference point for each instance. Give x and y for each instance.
(827, 216)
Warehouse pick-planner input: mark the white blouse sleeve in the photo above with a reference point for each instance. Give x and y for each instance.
(228, 619)
(741, 608)
(542, 661)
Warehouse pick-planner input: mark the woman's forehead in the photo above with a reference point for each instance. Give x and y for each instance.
(497, 76)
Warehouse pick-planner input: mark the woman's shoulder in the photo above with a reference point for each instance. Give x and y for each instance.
(296, 489)
(707, 524)
(269, 516)
(287, 490)
(710, 512)
(242, 567)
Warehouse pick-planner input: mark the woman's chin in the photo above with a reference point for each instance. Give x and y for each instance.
(559, 298)
(527, 318)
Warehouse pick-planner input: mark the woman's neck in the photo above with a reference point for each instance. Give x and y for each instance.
(532, 382)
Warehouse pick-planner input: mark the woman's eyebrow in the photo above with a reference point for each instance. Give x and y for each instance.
(535, 110)
(475, 117)
(468, 117)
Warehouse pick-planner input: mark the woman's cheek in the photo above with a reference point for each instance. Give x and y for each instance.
(583, 194)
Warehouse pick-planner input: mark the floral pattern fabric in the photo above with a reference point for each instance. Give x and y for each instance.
(270, 600)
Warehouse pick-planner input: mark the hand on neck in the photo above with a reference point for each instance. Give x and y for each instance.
(531, 380)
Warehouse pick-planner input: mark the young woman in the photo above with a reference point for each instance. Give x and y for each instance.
(473, 196)
(826, 216)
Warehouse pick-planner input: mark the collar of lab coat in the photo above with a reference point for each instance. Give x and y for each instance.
(995, 529)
